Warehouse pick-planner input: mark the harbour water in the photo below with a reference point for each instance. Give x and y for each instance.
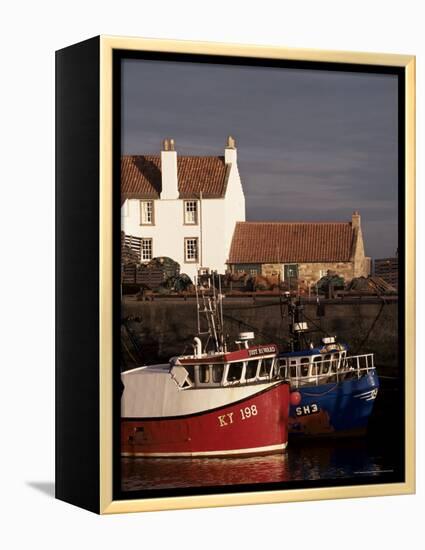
(332, 460)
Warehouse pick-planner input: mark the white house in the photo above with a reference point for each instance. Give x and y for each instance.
(184, 207)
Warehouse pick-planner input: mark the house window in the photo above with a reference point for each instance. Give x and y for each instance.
(191, 212)
(249, 269)
(146, 250)
(290, 271)
(146, 212)
(191, 249)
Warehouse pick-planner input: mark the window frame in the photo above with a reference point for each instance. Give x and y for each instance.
(237, 364)
(204, 374)
(186, 259)
(151, 202)
(247, 365)
(143, 239)
(268, 371)
(196, 211)
(286, 267)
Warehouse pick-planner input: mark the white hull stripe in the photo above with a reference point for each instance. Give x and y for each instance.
(365, 393)
(267, 448)
(368, 396)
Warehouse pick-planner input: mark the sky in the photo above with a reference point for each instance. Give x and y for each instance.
(312, 145)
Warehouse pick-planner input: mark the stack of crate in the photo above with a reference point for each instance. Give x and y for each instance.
(130, 249)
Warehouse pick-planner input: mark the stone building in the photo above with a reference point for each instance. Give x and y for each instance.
(300, 250)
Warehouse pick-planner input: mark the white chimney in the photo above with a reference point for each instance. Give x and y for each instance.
(230, 152)
(170, 189)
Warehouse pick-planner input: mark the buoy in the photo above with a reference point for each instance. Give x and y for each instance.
(295, 398)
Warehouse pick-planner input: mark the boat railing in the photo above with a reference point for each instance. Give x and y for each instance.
(326, 370)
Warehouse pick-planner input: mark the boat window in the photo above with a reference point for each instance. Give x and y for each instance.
(326, 364)
(235, 372)
(315, 369)
(190, 373)
(305, 361)
(282, 367)
(204, 374)
(266, 367)
(217, 371)
(293, 368)
(251, 369)
(335, 363)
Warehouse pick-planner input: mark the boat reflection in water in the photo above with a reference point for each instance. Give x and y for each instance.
(301, 462)
(158, 473)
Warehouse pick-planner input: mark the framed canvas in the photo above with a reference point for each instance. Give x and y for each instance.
(235, 274)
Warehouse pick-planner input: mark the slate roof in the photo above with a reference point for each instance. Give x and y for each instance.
(141, 177)
(291, 242)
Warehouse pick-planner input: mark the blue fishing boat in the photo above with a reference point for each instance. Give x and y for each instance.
(332, 392)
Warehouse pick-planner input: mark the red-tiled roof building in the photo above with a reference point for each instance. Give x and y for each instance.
(301, 250)
(182, 207)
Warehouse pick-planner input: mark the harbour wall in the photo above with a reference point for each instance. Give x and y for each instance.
(155, 331)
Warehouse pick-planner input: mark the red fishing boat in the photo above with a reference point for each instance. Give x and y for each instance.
(213, 402)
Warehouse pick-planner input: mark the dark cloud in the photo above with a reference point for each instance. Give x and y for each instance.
(312, 145)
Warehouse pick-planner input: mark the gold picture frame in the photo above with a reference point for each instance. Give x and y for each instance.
(107, 45)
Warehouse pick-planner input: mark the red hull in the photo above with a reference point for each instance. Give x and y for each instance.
(256, 425)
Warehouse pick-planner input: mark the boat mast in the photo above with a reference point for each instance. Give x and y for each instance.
(220, 303)
(210, 304)
(297, 325)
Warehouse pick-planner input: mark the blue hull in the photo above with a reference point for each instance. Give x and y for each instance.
(341, 408)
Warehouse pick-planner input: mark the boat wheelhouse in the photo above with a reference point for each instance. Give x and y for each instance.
(333, 393)
(248, 365)
(318, 366)
(213, 402)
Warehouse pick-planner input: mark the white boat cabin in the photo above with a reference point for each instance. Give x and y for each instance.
(305, 369)
(322, 366)
(221, 373)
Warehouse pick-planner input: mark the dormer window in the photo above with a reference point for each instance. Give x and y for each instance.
(146, 213)
(191, 212)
